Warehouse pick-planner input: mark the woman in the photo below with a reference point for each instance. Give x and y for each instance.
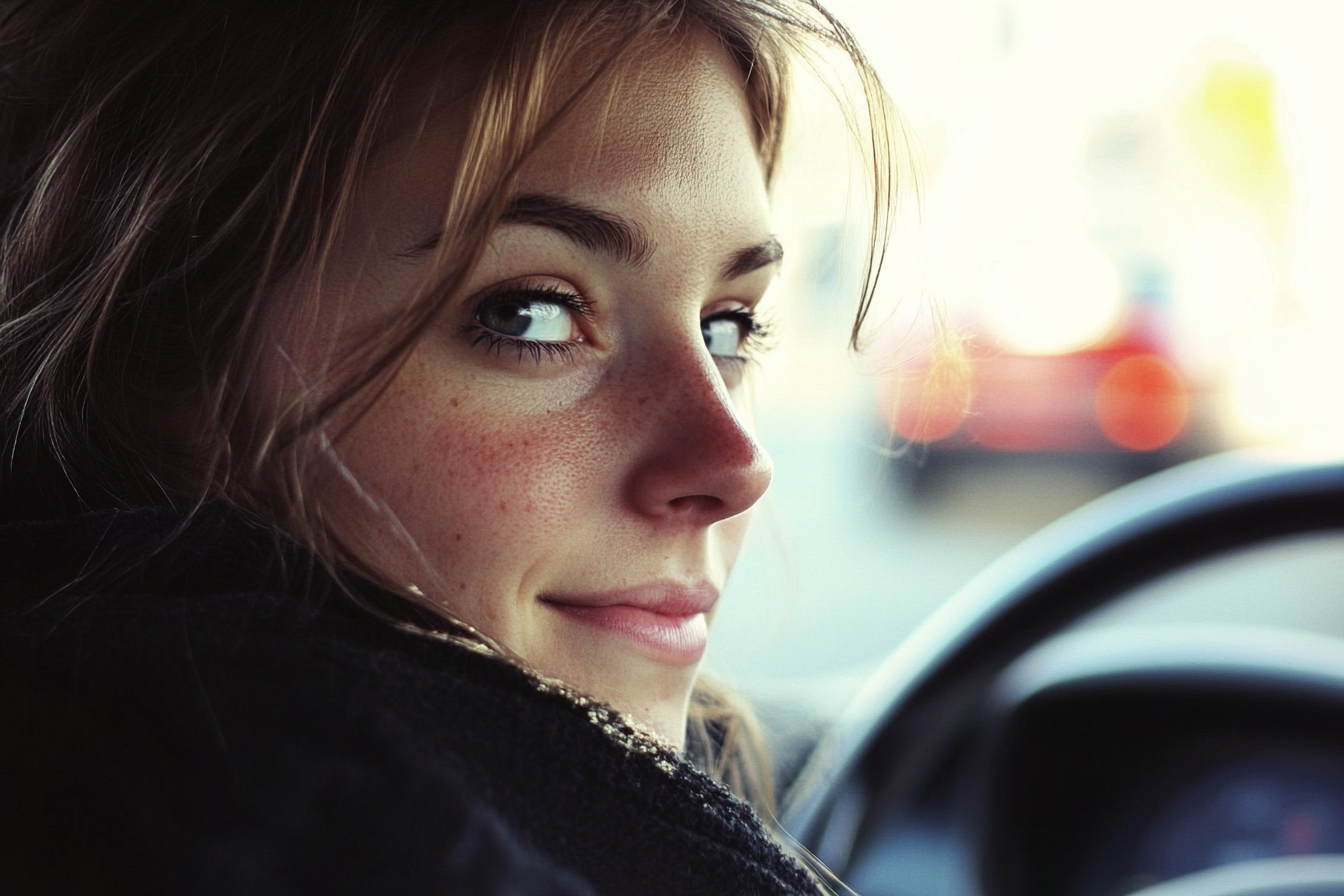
(337, 340)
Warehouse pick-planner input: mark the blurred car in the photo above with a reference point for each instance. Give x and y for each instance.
(1121, 399)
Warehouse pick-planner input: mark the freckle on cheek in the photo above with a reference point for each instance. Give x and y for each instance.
(457, 537)
(503, 507)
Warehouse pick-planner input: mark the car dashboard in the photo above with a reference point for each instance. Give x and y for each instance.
(1122, 759)
(1189, 723)
(1110, 761)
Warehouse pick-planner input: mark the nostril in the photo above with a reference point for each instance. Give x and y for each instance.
(695, 502)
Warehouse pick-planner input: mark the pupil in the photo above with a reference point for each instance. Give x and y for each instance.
(512, 319)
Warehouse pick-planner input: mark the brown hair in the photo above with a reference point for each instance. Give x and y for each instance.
(166, 165)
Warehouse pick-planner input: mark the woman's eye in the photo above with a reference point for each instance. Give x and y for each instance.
(539, 321)
(533, 315)
(725, 333)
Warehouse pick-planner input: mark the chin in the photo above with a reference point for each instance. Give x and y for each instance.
(655, 695)
(644, 667)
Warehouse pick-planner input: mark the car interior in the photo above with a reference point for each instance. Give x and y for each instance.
(1131, 701)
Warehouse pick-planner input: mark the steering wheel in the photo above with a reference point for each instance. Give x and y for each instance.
(898, 731)
(1288, 876)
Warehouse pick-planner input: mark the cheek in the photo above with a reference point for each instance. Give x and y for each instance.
(495, 473)
(480, 487)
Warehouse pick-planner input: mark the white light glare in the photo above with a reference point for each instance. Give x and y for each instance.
(1288, 389)
(1051, 296)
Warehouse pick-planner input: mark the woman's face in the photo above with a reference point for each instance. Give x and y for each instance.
(567, 448)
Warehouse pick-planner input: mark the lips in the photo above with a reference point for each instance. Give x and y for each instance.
(666, 620)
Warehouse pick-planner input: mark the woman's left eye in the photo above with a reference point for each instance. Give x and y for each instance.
(727, 332)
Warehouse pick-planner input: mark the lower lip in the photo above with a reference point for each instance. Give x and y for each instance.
(676, 639)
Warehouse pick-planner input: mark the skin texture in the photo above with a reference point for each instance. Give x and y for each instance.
(522, 479)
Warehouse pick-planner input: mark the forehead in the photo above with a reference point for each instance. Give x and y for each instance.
(676, 106)
(669, 128)
(669, 135)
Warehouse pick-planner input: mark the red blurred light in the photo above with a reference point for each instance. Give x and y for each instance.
(1142, 403)
(931, 407)
(1301, 832)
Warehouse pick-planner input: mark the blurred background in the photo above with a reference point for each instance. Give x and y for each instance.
(1128, 215)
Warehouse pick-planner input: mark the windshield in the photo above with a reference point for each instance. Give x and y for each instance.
(1128, 214)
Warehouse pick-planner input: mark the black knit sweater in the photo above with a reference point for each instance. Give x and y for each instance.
(195, 707)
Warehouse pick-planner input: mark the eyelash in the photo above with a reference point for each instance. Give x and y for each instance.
(498, 342)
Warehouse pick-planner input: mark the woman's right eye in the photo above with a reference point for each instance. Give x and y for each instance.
(540, 320)
(544, 320)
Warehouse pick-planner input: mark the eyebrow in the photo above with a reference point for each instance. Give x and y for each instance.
(618, 237)
(594, 230)
(752, 258)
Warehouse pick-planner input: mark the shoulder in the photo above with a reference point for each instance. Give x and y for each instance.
(175, 720)
(207, 693)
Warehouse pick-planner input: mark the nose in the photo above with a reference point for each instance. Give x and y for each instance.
(700, 462)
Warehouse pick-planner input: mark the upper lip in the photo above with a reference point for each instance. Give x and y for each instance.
(664, 598)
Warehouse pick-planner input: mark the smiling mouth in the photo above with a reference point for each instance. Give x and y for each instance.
(668, 621)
